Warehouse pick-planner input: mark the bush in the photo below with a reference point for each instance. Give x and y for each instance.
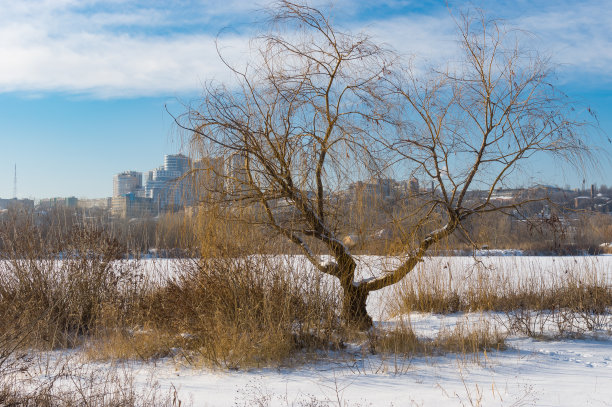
(243, 312)
(59, 298)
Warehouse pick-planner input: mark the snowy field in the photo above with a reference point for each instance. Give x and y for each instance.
(552, 372)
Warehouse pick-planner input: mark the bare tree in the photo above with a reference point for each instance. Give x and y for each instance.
(473, 125)
(316, 108)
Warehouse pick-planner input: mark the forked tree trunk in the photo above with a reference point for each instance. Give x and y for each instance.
(354, 310)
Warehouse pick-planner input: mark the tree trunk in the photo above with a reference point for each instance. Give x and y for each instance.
(354, 310)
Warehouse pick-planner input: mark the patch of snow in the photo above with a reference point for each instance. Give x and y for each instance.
(328, 262)
(357, 283)
(498, 252)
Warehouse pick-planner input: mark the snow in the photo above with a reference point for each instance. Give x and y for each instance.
(328, 262)
(497, 252)
(531, 372)
(559, 372)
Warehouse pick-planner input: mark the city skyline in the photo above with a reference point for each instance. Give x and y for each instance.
(85, 87)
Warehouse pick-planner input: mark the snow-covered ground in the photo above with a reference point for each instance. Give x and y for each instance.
(568, 372)
(554, 373)
(530, 372)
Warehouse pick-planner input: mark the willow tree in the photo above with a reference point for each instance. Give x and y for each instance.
(316, 108)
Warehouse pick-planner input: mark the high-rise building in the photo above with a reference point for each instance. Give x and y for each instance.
(126, 183)
(236, 175)
(177, 162)
(176, 184)
(168, 185)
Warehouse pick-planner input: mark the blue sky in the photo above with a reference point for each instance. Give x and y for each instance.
(83, 83)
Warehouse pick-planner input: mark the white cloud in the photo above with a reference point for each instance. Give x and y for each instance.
(53, 46)
(426, 37)
(576, 35)
(109, 49)
(107, 65)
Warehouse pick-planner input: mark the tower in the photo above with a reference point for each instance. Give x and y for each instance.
(15, 183)
(126, 182)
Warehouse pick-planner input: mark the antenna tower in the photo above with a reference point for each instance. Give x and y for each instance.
(15, 183)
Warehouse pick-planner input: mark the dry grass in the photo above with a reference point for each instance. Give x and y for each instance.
(58, 298)
(123, 345)
(235, 313)
(551, 300)
(578, 290)
(229, 312)
(464, 339)
(68, 386)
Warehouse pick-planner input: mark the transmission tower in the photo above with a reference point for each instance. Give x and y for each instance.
(15, 183)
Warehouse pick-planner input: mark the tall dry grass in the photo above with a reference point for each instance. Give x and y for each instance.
(467, 340)
(538, 298)
(58, 297)
(446, 286)
(231, 313)
(219, 310)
